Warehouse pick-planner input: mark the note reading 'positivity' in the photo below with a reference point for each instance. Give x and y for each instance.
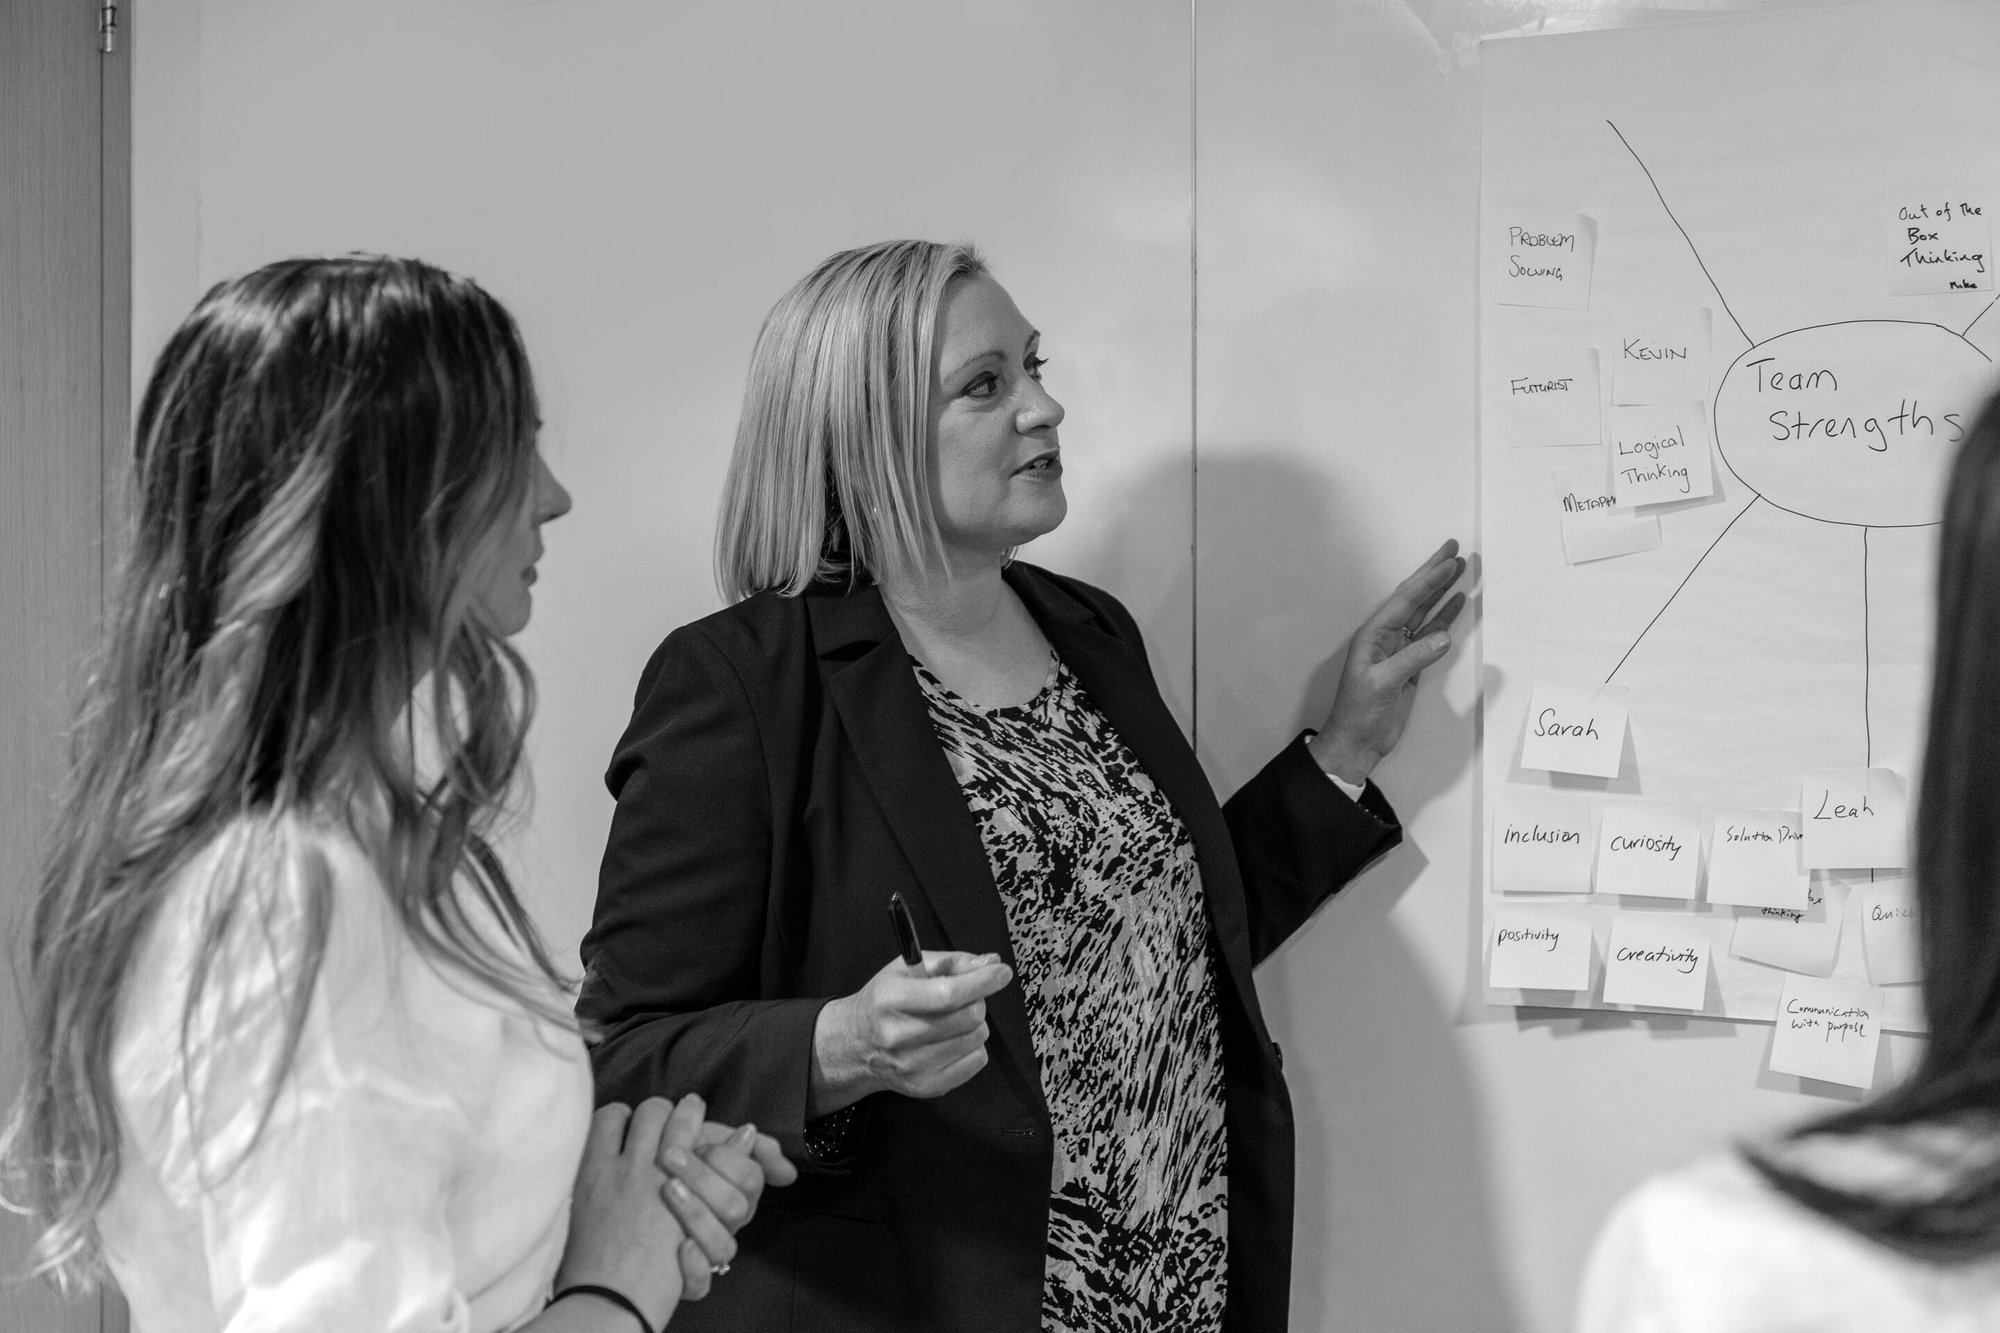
(1756, 859)
(1656, 960)
(1660, 454)
(1593, 526)
(1660, 356)
(1652, 848)
(1889, 931)
(1545, 259)
(1828, 1030)
(1538, 947)
(1541, 841)
(1855, 818)
(1576, 728)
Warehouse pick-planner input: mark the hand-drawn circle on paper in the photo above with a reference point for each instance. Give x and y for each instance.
(1854, 422)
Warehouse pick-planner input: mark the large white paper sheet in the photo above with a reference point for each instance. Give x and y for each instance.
(1783, 625)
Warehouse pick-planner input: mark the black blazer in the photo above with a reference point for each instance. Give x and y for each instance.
(778, 780)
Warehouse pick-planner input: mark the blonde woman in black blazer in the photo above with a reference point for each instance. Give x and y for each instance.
(969, 1162)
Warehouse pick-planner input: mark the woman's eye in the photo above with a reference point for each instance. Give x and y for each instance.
(1035, 364)
(983, 386)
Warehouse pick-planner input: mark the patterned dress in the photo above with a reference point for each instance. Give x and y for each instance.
(1105, 912)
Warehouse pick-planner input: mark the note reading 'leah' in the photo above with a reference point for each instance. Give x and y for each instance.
(1539, 947)
(1855, 819)
(1576, 728)
(1656, 961)
(1541, 841)
(1650, 848)
(1756, 858)
(1828, 1030)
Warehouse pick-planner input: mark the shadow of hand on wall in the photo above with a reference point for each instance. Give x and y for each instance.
(1394, 1226)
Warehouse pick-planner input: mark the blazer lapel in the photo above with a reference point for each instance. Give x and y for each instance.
(872, 688)
(1117, 680)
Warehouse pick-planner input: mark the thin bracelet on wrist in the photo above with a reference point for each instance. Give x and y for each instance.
(617, 1298)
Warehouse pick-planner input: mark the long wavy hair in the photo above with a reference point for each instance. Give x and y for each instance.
(828, 476)
(1943, 1122)
(325, 448)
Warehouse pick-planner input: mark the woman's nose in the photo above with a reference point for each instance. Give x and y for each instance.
(1040, 411)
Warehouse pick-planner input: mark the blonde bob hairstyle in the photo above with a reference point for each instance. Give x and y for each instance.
(828, 479)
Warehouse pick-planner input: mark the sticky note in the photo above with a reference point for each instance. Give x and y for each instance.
(1855, 818)
(1661, 356)
(1536, 947)
(1795, 941)
(1545, 258)
(1576, 728)
(1593, 527)
(1651, 848)
(1660, 454)
(1828, 1030)
(1550, 398)
(1889, 931)
(1541, 841)
(1940, 242)
(1756, 859)
(1657, 961)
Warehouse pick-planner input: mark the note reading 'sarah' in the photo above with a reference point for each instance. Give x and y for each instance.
(1576, 728)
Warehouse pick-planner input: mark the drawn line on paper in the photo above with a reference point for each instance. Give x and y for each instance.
(1754, 498)
(1979, 317)
(1682, 230)
(1867, 664)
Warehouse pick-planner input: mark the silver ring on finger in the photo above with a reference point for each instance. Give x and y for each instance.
(718, 1270)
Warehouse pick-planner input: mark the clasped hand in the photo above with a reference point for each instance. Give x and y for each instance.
(1378, 680)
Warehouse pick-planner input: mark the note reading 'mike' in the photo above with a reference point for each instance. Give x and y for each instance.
(1576, 728)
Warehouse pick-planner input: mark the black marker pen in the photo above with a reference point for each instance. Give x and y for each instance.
(906, 931)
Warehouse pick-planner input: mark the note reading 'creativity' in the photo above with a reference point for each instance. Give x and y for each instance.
(1656, 960)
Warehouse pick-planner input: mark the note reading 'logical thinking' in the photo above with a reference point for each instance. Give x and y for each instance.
(1593, 527)
(1660, 356)
(1539, 947)
(1889, 931)
(1656, 960)
(1941, 242)
(1828, 1030)
(1651, 848)
(1855, 818)
(1550, 398)
(1756, 858)
(1795, 941)
(1576, 728)
(1545, 259)
(1660, 454)
(1541, 841)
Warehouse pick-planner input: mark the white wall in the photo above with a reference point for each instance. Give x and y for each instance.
(639, 181)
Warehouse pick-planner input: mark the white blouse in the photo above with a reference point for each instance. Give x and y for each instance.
(1712, 1249)
(414, 1172)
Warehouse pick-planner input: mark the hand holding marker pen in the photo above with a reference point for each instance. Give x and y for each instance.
(918, 1027)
